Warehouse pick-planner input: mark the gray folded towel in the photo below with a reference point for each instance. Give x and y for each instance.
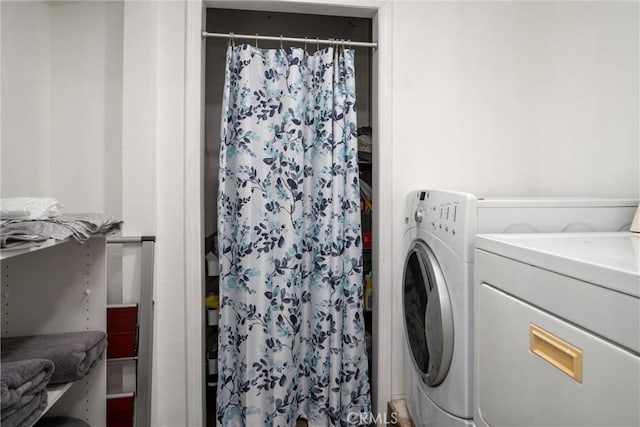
(22, 378)
(17, 239)
(28, 411)
(73, 354)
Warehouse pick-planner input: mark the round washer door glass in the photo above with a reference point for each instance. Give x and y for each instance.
(428, 317)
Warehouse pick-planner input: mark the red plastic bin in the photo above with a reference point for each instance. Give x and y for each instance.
(122, 327)
(120, 411)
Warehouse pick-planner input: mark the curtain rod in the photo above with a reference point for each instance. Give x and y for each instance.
(290, 39)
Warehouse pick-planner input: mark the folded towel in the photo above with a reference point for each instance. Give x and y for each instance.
(22, 378)
(73, 354)
(28, 411)
(29, 208)
(61, 422)
(79, 226)
(16, 239)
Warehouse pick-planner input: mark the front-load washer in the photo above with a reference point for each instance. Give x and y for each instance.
(409, 236)
(438, 283)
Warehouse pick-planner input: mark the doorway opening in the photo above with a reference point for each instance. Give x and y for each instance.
(297, 25)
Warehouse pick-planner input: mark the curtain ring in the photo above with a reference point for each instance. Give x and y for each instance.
(318, 43)
(256, 40)
(281, 42)
(305, 42)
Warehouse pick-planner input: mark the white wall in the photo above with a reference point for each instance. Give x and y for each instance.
(512, 99)
(170, 349)
(61, 103)
(153, 186)
(589, 99)
(25, 27)
(86, 106)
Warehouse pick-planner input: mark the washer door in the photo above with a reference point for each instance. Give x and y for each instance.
(428, 317)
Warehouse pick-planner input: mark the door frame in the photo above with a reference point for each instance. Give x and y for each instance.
(381, 14)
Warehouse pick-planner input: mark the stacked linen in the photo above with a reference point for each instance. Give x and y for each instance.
(28, 221)
(24, 396)
(83, 226)
(18, 209)
(78, 226)
(29, 208)
(73, 353)
(18, 239)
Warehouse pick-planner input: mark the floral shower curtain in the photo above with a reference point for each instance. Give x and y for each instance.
(291, 340)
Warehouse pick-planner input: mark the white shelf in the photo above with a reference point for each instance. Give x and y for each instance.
(10, 253)
(120, 395)
(212, 316)
(213, 366)
(54, 392)
(213, 264)
(121, 305)
(58, 287)
(116, 360)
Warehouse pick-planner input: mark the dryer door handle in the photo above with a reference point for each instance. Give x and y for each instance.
(556, 351)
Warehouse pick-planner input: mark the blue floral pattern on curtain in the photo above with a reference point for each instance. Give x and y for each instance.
(291, 340)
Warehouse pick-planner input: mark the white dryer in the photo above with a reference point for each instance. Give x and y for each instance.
(440, 228)
(569, 353)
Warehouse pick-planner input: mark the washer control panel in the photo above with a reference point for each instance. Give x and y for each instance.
(410, 207)
(448, 215)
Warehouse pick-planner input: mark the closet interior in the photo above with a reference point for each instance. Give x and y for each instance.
(267, 23)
